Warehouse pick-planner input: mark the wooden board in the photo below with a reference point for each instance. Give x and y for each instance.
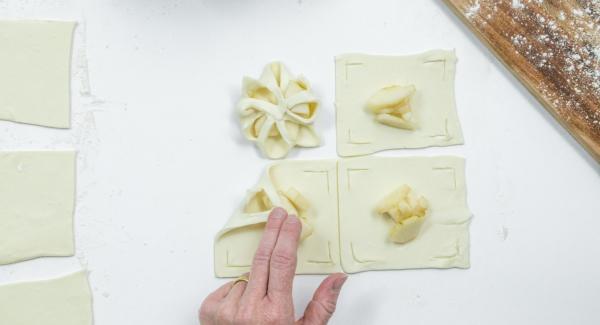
(553, 48)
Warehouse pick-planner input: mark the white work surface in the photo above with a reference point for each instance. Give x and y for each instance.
(162, 162)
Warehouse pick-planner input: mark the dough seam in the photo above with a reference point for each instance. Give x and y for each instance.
(339, 237)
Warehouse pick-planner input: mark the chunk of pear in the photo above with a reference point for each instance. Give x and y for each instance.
(407, 230)
(296, 203)
(406, 210)
(389, 97)
(394, 121)
(391, 106)
(258, 202)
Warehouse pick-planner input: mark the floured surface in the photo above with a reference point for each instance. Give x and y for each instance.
(319, 252)
(359, 76)
(60, 301)
(37, 199)
(553, 48)
(443, 241)
(35, 60)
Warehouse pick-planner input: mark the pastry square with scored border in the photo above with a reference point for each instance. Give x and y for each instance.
(316, 181)
(443, 241)
(359, 76)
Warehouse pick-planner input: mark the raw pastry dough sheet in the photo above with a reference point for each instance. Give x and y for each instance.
(443, 241)
(37, 199)
(319, 253)
(356, 238)
(35, 64)
(61, 301)
(359, 76)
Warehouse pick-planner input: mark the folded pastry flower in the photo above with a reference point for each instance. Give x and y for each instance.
(277, 111)
(391, 106)
(407, 211)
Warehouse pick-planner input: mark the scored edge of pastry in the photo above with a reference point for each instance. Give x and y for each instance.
(391, 106)
(406, 210)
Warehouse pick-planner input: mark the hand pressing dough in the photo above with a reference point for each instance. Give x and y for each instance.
(357, 186)
(432, 120)
(443, 240)
(307, 188)
(407, 211)
(35, 61)
(61, 301)
(37, 199)
(277, 111)
(259, 202)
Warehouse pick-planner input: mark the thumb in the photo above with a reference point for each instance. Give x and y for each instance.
(323, 303)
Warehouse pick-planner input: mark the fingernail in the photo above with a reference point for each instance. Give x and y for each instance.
(278, 213)
(338, 283)
(292, 219)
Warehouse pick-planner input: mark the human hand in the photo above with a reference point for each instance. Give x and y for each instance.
(266, 298)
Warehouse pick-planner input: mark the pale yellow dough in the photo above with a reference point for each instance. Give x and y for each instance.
(37, 199)
(277, 111)
(35, 60)
(60, 301)
(319, 252)
(443, 240)
(407, 211)
(433, 117)
(356, 238)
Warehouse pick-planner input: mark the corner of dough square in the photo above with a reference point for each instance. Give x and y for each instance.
(318, 253)
(60, 301)
(360, 76)
(443, 240)
(35, 61)
(37, 199)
